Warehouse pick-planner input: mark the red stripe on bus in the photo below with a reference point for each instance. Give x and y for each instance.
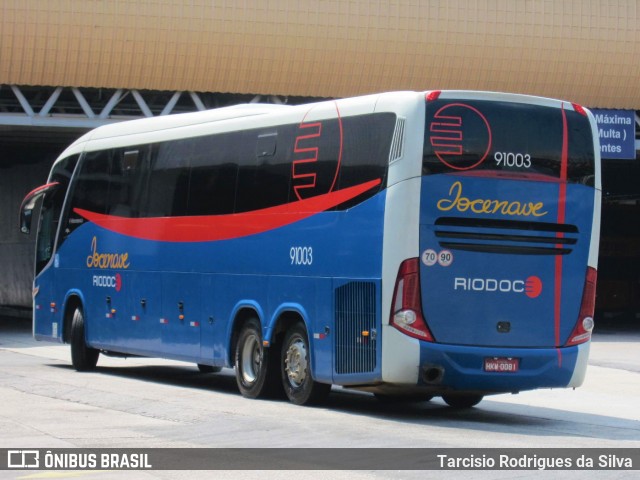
(562, 206)
(224, 227)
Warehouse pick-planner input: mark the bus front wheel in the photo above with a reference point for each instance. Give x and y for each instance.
(255, 365)
(83, 357)
(295, 367)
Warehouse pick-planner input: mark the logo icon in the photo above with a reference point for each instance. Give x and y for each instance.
(23, 459)
(533, 287)
(108, 281)
(316, 155)
(459, 134)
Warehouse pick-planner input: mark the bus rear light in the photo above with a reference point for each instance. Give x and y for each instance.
(433, 95)
(584, 326)
(579, 108)
(406, 313)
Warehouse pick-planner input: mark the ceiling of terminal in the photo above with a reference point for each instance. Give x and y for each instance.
(585, 51)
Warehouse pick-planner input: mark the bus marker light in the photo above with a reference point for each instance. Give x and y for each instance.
(181, 317)
(579, 108)
(433, 95)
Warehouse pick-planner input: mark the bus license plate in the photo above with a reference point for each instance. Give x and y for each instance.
(501, 365)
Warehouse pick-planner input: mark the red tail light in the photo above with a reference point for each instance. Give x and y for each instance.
(433, 95)
(580, 109)
(582, 331)
(406, 311)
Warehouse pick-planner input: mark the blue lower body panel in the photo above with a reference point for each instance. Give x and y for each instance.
(462, 368)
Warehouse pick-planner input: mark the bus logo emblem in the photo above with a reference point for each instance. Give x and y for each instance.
(448, 135)
(108, 281)
(531, 286)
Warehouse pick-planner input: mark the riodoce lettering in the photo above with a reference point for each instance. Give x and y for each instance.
(457, 201)
(106, 260)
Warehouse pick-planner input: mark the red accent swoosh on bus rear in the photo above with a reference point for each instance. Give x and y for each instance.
(562, 207)
(224, 227)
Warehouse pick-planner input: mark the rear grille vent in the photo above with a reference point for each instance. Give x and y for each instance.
(506, 236)
(397, 141)
(355, 338)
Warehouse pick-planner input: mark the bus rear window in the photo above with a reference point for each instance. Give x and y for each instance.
(488, 137)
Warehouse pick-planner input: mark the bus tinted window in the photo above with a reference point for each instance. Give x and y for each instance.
(169, 180)
(213, 175)
(51, 210)
(477, 136)
(264, 174)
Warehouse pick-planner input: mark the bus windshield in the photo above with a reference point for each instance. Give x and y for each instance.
(503, 138)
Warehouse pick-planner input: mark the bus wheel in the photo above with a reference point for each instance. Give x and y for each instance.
(462, 401)
(254, 364)
(295, 367)
(208, 368)
(83, 358)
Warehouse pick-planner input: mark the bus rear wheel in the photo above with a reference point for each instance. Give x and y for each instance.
(462, 401)
(83, 357)
(295, 367)
(255, 365)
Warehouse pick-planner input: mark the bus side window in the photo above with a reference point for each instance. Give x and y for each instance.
(168, 186)
(90, 189)
(122, 172)
(213, 175)
(264, 176)
(51, 211)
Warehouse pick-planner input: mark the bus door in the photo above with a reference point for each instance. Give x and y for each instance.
(48, 309)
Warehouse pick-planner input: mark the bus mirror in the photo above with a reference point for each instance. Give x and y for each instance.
(25, 221)
(29, 203)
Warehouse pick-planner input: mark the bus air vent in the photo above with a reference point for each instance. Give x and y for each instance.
(355, 339)
(397, 141)
(506, 236)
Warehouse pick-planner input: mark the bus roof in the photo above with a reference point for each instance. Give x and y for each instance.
(349, 106)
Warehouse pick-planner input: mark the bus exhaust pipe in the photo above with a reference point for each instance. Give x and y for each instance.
(432, 374)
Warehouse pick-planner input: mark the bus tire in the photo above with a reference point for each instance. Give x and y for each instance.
(295, 368)
(255, 365)
(208, 368)
(83, 357)
(462, 401)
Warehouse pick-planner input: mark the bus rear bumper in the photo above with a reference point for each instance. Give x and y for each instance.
(462, 368)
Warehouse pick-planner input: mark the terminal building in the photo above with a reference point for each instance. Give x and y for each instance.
(67, 66)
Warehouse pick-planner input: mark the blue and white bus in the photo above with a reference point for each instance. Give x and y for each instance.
(440, 243)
